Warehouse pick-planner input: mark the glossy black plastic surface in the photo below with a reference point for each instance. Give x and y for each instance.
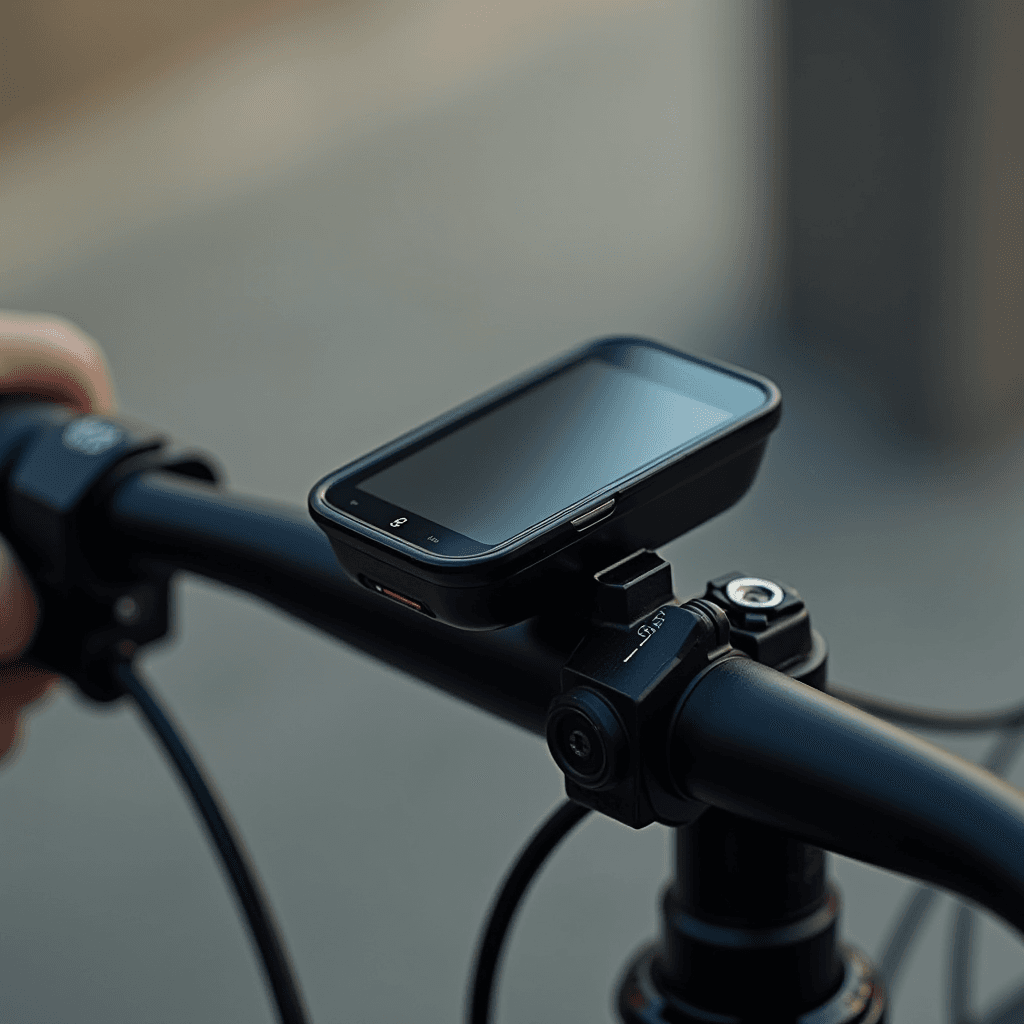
(637, 672)
(749, 931)
(763, 746)
(476, 585)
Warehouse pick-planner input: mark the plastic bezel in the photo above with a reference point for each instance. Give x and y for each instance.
(327, 515)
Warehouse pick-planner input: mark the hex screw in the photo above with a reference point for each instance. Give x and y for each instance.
(127, 610)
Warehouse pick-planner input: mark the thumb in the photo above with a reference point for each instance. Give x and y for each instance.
(20, 685)
(18, 609)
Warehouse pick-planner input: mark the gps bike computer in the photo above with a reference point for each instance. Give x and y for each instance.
(477, 516)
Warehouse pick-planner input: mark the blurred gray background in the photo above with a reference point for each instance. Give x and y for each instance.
(297, 235)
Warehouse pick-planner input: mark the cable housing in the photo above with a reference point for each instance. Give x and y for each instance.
(499, 918)
(262, 928)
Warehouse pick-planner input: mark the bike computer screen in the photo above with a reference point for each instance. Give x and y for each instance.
(545, 448)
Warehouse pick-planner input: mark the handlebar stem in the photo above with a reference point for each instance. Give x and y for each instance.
(761, 745)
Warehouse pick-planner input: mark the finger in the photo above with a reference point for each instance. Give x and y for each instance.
(18, 608)
(20, 686)
(49, 357)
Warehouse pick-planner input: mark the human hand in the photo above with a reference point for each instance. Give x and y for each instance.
(49, 357)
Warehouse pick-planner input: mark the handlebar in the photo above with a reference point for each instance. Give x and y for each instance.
(747, 739)
(275, 552)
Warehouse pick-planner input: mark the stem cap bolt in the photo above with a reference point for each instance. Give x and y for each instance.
(754, 593)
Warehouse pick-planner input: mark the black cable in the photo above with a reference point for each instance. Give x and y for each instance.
(1004, 751)
(918, 905)
(905, 929)
(915, 910)
(910, 919)
(1008, 1010)
(557, 826)
(958, 992)
(924, 718)
(229, 846)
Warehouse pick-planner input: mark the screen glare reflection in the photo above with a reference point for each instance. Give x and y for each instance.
(544, 451)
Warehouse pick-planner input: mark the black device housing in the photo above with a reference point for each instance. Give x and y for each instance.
(544, 568)
(57, 468)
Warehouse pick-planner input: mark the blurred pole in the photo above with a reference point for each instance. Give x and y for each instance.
(904, 204)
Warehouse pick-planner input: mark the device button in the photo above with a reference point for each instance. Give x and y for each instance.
(595, 515)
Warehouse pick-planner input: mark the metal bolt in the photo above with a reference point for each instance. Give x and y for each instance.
(754, 592)
(586, 738)
(127, 610)
(579, 744)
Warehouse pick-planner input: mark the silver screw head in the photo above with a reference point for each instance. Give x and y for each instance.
(127, 610)
(754, 592)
